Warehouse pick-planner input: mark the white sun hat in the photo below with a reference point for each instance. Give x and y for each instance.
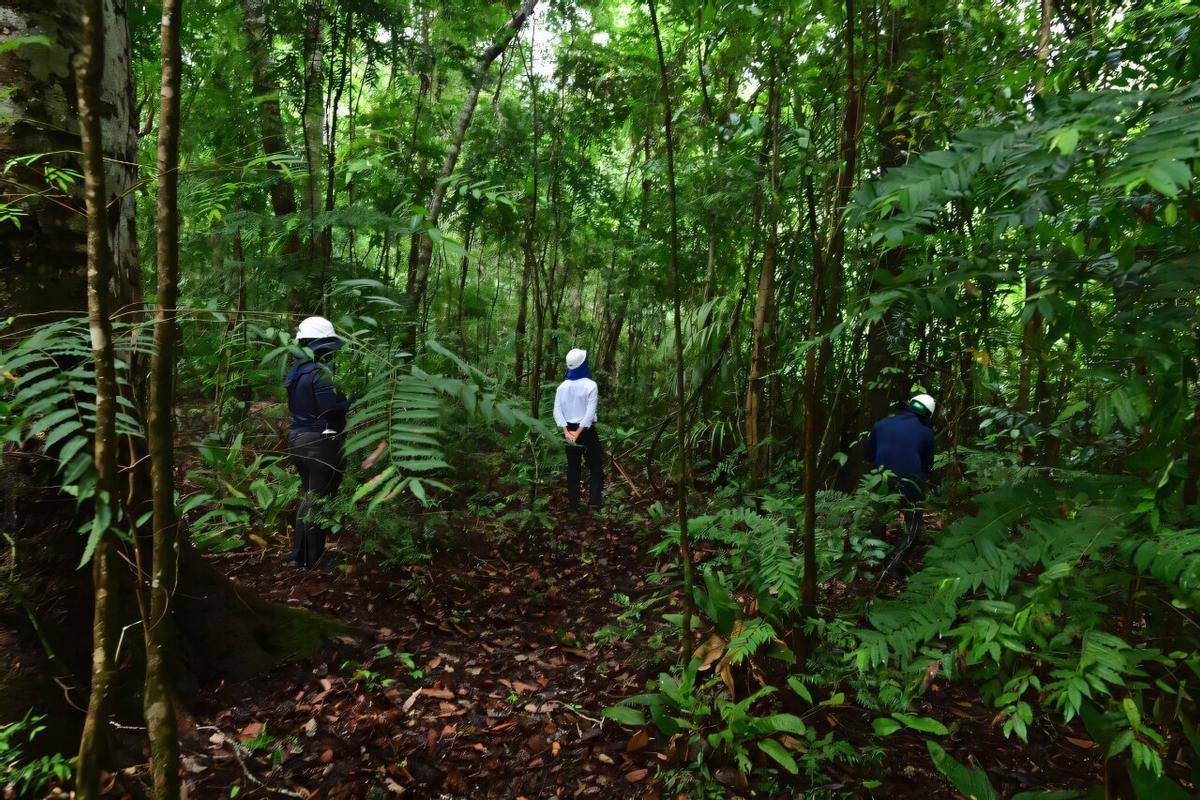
(575, 358)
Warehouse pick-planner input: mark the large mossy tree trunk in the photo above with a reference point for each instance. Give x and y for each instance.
(222, 633)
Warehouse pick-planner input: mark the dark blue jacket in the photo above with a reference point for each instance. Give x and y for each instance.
(903, 444)
(315, 403)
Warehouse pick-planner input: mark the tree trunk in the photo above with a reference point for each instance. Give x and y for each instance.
(90, 67)
(612, 335)
(418, 275)
(159, 699)
(529, 240)
(270, 121)
(462, 287)
(760, 362)
(895, 132)
(522, 317)
(331, 151)
(1031, 334)
(40, 100)
(820, 318)
(313, 115)
(229, 635)
(685, 546)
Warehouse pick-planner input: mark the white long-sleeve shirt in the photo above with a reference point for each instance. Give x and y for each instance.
(575, 402)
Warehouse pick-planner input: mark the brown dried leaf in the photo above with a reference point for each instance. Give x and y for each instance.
(638, 741)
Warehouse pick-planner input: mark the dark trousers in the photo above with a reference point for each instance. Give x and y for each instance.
(588, 447)
(912, 494)
(318, 459)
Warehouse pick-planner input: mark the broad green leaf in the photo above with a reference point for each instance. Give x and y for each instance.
(778, 752)
(624, 715)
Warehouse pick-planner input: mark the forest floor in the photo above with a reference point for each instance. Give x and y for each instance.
(475, 676)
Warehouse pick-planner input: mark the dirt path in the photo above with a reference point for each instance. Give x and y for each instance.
(469, 678)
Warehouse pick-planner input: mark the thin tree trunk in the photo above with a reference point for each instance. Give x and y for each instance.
(685, 545)
(1031, 335)
(270, 120)
(462, 285)
(418, 275)
(895, 132)
(528, 242)
(539, 341)
(759, 349)
(818, 322)
(313, 117)
(522, 318)
(612, 335)
(89, 70)
(331, 151)
(159, 699)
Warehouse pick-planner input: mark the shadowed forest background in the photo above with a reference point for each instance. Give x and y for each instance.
(767, 223)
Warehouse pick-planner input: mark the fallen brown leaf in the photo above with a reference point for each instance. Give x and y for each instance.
(326, 756)
(638, 741)
(637, 775)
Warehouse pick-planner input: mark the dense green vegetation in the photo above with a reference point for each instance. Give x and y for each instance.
(767, 222)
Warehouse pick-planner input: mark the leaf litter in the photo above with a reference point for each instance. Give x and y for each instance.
(482, 681)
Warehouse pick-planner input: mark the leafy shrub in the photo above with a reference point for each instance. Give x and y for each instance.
(25, 775)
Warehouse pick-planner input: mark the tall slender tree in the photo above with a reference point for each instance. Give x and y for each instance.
(159, 697)
(681, 424)
(418, 272)
(89, 69)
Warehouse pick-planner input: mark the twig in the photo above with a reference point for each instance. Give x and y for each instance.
(237, 748)
(624, 474)
(574, 709)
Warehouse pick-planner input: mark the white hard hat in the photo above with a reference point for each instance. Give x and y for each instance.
(575, 358)
(315, 328)
(924, 402)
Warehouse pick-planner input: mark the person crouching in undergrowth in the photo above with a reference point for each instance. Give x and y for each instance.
(902, 446)
(315, 441)
(575, 405)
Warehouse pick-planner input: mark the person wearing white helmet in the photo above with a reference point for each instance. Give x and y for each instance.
(902, 446)
(575, 405)
(318, 411)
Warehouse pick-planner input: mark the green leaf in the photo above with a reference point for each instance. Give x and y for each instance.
(783, 723)
(101, 522)
(778, 752)
(885, 726)
(923, 724)
(971, 782)
(624, 715)
(1148, 786)
(1065, 141)
(797, 686)
(20, 41)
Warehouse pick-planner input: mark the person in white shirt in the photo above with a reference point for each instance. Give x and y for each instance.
(575, 412)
